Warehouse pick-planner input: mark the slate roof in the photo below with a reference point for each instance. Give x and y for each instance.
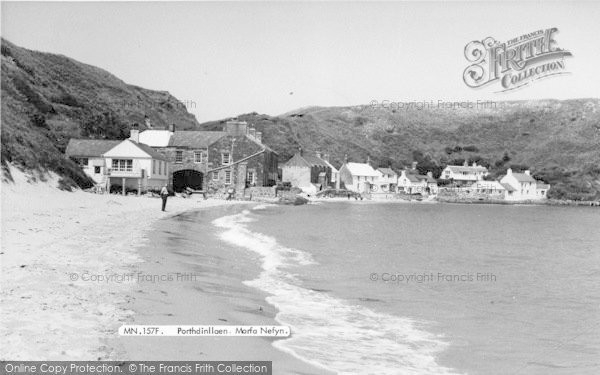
(542, 186)
(523, 177)
(253, 139)
(508, 187)
(387, 171)
(333, 169)
(488, 185)
(150, 151)
(361, 169)
(194, 138)
(202, 139)
(89, 147)
(461, 168)
(315, 161)
(415, 177)
(305, 161)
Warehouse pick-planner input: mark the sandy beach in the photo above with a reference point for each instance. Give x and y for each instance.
(55, 242)
(48, 236)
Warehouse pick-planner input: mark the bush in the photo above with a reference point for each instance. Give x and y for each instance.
(39, 121)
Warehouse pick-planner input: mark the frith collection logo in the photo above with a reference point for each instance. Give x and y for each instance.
(514, 63)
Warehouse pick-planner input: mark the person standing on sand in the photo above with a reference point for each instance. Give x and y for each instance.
(164, 193)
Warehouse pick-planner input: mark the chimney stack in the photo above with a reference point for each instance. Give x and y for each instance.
(252, 132)
(236, 128)
(147, 122)
(368, 160)
(258, 137)
(509, 171)
(528, 172)
(345, 158)
(172, 128)
(474, 163)
(429, 174)
(134, 135)
(326, 157)
(414, 165)
(318, 153)
(466, 163)
(300, 151)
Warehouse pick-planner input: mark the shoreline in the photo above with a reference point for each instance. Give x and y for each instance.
(56, 246)
(217, 295)
(48, 235)
(549, 202)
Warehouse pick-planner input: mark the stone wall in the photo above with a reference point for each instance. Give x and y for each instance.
(262, 166)
(260, 192)
(467, 195)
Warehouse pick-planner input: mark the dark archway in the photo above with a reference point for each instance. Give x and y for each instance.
(187, 178)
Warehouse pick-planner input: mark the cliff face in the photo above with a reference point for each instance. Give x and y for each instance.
(558, 140)
(47, 99)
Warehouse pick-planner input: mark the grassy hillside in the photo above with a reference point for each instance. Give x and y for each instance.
(47, 99)
(558, 140)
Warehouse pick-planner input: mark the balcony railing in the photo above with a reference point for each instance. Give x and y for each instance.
(139, 173)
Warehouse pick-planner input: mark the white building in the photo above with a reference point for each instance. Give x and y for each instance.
(358, 177)
(88, 154)
(411, 182)
(387, 182)
(524, 187)
(465, 174)
(127, 164)
(493, 189)
(136, 166)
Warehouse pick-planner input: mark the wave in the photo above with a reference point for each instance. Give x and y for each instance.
(330, 332)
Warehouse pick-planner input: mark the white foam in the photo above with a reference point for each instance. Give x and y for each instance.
(263, 206)
(328, 331)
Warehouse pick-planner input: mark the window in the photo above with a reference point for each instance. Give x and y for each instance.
(228, 176)
(153, 166)
(122, 165)
(97, 170)
(178, 156)
(197, 156)
(250, 177)
(225, 158)
(215, 176)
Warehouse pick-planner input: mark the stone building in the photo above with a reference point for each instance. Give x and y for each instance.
(305, 170)
(216, 161)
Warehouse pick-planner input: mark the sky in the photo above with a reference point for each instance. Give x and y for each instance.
(223, 59)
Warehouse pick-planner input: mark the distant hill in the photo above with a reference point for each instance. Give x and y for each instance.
(48, 99)
(558, 140)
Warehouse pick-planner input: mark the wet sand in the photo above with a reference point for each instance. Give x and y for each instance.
(213, 294)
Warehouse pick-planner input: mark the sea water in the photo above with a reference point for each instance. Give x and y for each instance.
(430, 288)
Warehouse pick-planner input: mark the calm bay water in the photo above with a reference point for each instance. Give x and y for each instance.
(431, 288)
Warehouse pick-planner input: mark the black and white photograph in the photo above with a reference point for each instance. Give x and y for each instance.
(300, 187)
